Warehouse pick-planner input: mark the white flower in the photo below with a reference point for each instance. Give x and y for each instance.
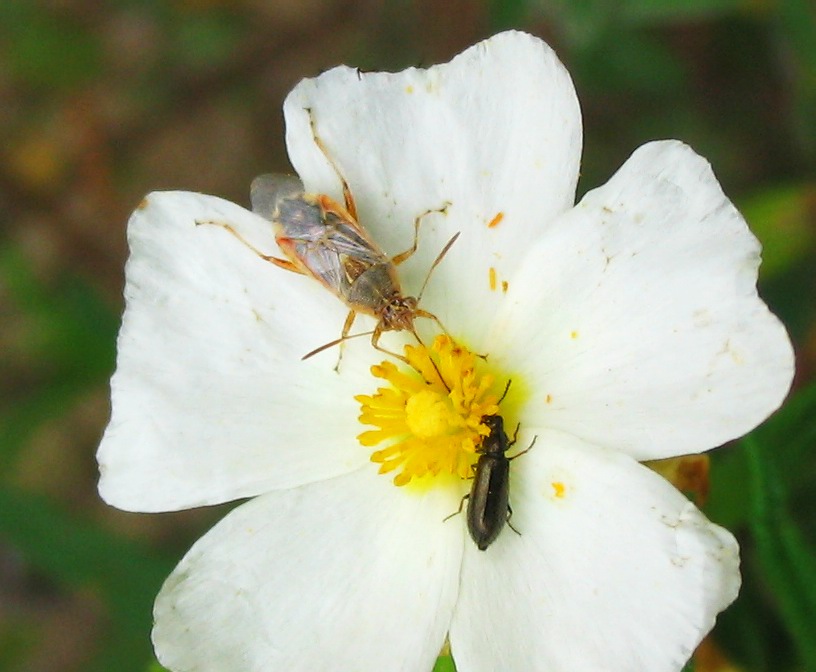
(629, 326)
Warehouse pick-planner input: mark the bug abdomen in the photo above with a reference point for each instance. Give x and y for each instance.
(489, 500)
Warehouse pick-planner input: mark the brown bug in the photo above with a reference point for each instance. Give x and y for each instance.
(323, 239)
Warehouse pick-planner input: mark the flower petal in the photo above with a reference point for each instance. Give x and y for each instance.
(613, 569)
(495, 133)
(347, 574)
(211, 400)
(637, 317)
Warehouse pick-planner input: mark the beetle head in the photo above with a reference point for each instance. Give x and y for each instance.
(495, 423)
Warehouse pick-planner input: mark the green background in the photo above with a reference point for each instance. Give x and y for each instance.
(101, 102)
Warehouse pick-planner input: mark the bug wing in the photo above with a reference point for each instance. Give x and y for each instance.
(325, 243)
(347, 239)
(267, 190)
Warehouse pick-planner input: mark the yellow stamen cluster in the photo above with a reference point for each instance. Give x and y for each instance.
(430, 415)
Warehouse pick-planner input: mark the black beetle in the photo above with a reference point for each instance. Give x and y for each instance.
(489, 498)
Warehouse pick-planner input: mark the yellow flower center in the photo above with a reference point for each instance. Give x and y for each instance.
(430, 416)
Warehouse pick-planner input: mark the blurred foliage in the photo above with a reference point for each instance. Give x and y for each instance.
(102, 102)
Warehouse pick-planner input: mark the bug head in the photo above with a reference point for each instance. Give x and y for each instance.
(399, 314)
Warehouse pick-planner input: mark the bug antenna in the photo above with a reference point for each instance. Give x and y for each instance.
(438, 259)
(433, 363)
(331, 344)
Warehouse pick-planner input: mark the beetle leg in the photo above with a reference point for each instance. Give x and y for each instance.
(459, 510)
(351, 206)
(510, 515)
(527, 449)
(515, 435)
(282, 263)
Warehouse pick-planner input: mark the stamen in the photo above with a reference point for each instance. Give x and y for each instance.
(430, 416)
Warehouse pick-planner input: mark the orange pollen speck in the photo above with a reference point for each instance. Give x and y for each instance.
(496, 220)
(559, 489)
(505, 286)
(492, 278)
(549, 399)
(573, 334)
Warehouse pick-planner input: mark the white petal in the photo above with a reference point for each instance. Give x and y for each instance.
(496, 130)
(211, 400)
(619, 573)
(348, 574)
(637, 317)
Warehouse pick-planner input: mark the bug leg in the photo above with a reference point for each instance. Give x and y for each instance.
(418, 312)
(424, 313)
(459, 510)
(331, 344)
(343, 336)
(397, 259)
(402, 256)
(351, 206)
(375, 342)
(282, 263)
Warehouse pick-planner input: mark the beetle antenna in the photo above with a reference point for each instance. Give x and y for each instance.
(331, 344)
(439, 258)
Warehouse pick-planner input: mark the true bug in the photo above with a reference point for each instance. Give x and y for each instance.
(324, 240)
(489, 497)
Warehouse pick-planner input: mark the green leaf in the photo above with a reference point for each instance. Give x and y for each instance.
(674, 11)
(206, 39)
(78, 555)
(508, 13)
(796, 31)
(65, 346)
(47, 50)
(782, 218)
(788, 561)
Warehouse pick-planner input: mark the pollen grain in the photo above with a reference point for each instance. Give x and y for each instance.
(496, 220)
